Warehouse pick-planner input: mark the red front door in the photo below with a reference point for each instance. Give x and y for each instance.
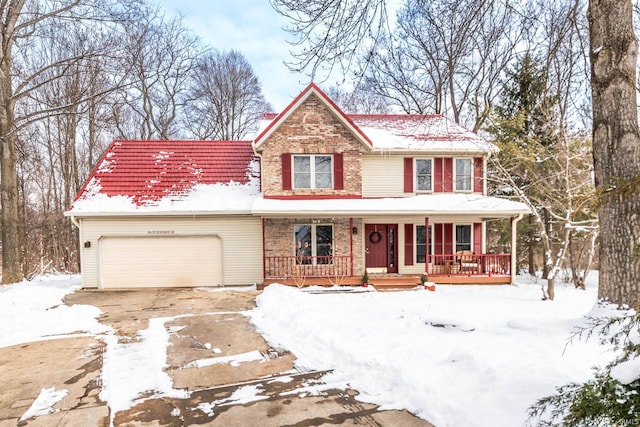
(381, 246)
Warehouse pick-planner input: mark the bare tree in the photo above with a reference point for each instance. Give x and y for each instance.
(332, 33)
(447, 56)
(226, 98)
(616, 147)
(159, 57)
(361, 100)
(25, 24)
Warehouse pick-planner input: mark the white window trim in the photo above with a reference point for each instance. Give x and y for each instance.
(312, 171)
(415, 174)
(455, 175)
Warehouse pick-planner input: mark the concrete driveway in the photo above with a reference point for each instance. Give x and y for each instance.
(288, 394)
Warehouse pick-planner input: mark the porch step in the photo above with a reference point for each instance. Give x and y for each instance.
(393, 281)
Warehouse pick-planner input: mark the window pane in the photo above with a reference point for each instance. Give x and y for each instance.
(323, 164)
(423, 247)
(463, 174)
(463, 238)
(324, 240)
(323, 170)
(423, 175)
(303, 240)
(423, 166)
(424, 183)
(301, 172)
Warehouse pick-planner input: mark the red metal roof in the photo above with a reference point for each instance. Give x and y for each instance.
(147, 171)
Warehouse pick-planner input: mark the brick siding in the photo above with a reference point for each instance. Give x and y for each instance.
(311, 129)
(279, 238)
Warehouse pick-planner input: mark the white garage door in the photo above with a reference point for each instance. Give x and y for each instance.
(160, 261)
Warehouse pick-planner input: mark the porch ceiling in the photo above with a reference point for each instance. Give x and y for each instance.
(426, 204)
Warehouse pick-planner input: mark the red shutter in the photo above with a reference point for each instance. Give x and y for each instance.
(448, 175)
(338, 171)
(448, 239)
(438, 185)
(408, 175)
(478, 175)
(408, 244)
(286, 171)
(477, 237)
(438, 241)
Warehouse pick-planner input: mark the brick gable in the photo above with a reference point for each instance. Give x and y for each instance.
(312, 128)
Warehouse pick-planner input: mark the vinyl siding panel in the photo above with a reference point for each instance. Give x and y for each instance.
(383, 176)
(241, 239)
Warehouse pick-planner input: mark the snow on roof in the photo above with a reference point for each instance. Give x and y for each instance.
(432, 132)
(411, 132)
(146, 176)
(426, 204)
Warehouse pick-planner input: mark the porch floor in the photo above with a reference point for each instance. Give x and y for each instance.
(395, 281)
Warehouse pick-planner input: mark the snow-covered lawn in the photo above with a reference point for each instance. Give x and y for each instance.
(459, 356)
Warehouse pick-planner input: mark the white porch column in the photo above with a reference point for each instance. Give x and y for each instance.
(514, 239)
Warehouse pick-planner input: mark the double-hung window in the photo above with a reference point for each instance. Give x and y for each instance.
(463, 238)
(464, 174)
(423, 245)
(312, 171)
(424, 175)
(313, 243)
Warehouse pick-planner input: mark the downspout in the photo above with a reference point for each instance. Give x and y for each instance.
(514, 228)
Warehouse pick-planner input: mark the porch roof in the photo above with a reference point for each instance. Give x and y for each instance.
(426, 204)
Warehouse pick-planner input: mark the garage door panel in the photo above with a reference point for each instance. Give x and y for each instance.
(160, 261)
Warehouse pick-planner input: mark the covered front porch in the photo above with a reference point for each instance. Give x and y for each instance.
(464, 269)
(337, 242)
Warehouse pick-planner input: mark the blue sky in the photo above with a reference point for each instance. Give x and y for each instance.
(251, 27)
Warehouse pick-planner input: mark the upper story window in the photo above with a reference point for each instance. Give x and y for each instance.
(463, 178)
(312, 171)
(424, 174)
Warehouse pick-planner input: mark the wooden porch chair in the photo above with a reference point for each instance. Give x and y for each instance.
(468, 262)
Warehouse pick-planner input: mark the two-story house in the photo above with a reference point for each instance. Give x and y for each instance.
(318, 197)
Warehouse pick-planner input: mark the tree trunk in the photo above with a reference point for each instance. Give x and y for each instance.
(531, 245)
(11, 257)
(616, 147)
(546, 261)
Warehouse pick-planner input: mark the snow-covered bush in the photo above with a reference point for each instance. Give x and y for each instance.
(612, 398)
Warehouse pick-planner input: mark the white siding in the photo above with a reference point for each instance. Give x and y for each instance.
(383, 176)
(241, 239)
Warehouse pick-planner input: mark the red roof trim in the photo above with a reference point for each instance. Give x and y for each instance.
(311, 88)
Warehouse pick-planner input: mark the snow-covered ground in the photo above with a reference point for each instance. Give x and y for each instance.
(459, 356)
